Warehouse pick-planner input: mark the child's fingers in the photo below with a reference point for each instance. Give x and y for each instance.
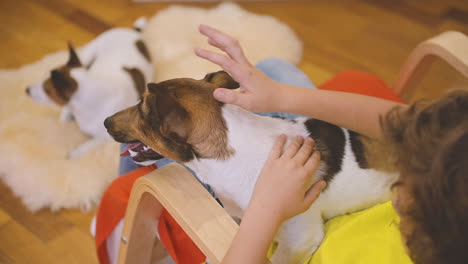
(304, 153)
(278, 147)
(215, 35)
(209, 31)
(293, 147)
(313, 193)
(213, 43)
(224, 42)
(226, 63)
(313, 162)
(235, 52)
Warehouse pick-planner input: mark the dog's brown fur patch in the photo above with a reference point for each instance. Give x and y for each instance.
(60, 86)
(138, 79)
(330, 141)
(143, 49)
(358, 149)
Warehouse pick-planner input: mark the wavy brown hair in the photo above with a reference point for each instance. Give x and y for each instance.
(430, 141)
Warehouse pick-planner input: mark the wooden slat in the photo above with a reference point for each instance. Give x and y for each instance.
(174, 188)
(29, 32)
(315, 73)
(70, 244)
(45, 225)
(78, 218)
(77, 16)
(5, 259)
(27, 247)
(457, 14)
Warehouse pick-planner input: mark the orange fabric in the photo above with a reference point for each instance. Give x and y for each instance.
(353, 81)
(112, 208)
(178, 244)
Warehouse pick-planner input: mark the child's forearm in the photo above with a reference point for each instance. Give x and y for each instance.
(256, 232)
(356, 112)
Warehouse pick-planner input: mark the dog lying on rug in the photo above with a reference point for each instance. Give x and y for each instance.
(109, 74)
(227, 146)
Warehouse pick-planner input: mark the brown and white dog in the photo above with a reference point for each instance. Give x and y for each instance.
(108, 75)
(227, 146)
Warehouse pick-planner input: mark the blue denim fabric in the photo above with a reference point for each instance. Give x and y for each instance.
(284, 72)
(126, 164)
(278, 70)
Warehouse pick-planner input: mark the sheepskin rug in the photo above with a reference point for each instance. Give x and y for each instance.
(33, 143)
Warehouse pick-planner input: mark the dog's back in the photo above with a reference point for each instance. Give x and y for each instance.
(117, 48)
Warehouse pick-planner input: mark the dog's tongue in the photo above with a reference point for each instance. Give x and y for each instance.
(131, 146)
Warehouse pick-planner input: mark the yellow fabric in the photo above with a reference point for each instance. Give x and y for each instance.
(367, 237)
(272, 249)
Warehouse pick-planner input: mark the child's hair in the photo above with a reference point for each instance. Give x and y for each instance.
(431, 146)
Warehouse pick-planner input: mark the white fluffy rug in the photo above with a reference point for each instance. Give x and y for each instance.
(33, 143)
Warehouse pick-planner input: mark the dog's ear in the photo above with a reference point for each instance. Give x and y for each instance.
(73, 59)
(174, 120)
(221, 79)
(59, 79)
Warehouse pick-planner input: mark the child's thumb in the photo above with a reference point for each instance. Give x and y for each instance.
(226, 96)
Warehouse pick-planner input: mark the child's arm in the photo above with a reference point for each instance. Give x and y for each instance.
(356, 112)
(282, 191)
(261, 94)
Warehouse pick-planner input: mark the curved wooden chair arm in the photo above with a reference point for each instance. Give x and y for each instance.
(192, 206)
(450, 46)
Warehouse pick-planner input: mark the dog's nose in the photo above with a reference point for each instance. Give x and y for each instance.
(28, 91)
(107, 123)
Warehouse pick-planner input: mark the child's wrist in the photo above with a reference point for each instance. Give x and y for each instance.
(264, 212)
(273, 99)
(283, 98)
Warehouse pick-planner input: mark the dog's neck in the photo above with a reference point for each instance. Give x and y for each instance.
(251, 137)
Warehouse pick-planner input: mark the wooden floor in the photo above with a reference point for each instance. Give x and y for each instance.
(370, 35)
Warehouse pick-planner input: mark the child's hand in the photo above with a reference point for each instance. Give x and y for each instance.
(283, 187)
(258, 92)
